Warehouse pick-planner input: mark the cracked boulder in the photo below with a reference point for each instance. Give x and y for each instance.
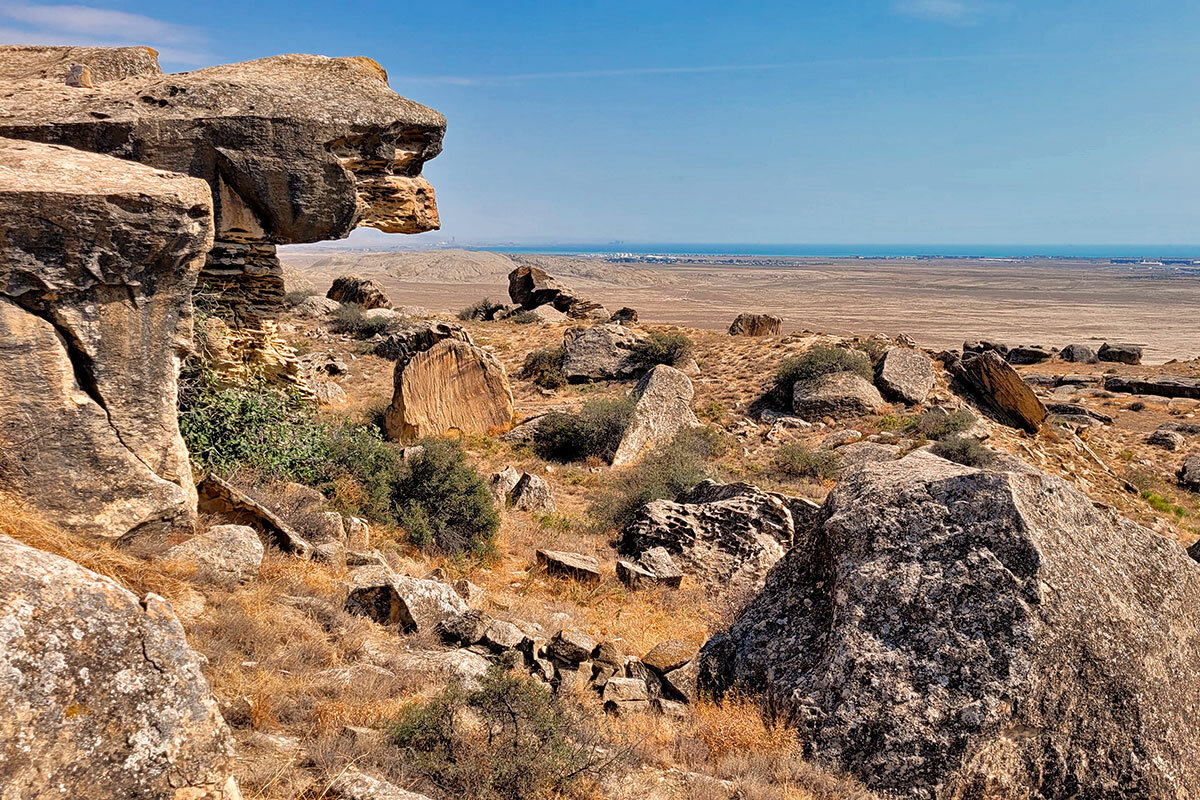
(664, 407)
(100, 694)
(602, 353)
(95, 316)
(952, 632)
(294, 148)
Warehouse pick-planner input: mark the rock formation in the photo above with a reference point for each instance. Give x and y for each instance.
(100, 694)
(453, 387)
(602, 352)
(95, 315)
(415, 604)
(295, 148)
(1079, 354)
(361, 291)
(1120, 353)
(756, 325)
(1161, 385)
(664, 407)
(906, 374)
(836, 394)
(412, 339)
(949, 632)
(996, 384)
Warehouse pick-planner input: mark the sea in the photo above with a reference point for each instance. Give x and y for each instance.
(1098, 251)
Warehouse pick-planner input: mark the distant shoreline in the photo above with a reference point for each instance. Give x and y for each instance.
(927, 251)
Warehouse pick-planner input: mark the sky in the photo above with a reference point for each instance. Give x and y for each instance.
(889, 121)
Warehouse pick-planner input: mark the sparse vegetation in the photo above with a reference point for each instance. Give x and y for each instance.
(545, 367)
(443, 502)
(484, 309)
(665, 347)
(1163, 505)
(297, 296)
(523, 318)
(665, 474)
(594, 432)
(510, 739)
(354, 320)
(817, 362)
(937, 424)
(797, 461)
(964, 450)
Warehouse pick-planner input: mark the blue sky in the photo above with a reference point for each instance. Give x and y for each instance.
(895, 121)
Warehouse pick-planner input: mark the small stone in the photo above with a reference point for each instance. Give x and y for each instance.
(500, 636)
(1168, 440)
(571, 647)
(669, 655)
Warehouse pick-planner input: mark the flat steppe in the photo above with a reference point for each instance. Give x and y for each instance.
(939, 302)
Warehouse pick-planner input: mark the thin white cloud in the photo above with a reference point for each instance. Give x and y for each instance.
(958, 12)
(30, 23)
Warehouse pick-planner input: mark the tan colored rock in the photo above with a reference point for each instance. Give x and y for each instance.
(664, 407)
(999, 386)
(226, 552)
(23, 63)
(361, 291)
(100, 695)
(453, 387)
(98, 259)
(756, 325)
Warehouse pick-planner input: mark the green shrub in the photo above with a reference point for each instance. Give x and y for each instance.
(937, 424)
(443, 502)
(797, 461)
(964, 450)
(665, 474)
(661, 347)
(351, 318)
(545, 367)
(485, 309)
(594, 432)
(819, 361)
(510, 739)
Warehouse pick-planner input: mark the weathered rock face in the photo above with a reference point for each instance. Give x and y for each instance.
(1162, 385)
(906, 374)
(1079, 354)
(949, 632)
(451, 387)
(532, 493)
(98, 259)
(101, 696)
(602, 352)
(412, 339)
(361, 291)
(414, 604)
(999, 386)
(227, 552)
(664, 407)
(531, 287)
(1121, 353)
(756, 325)
(836, 394)
(725, 535)
(295, 148)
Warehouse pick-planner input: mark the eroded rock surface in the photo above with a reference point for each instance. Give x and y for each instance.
(950, 632)
(295, 148)
(360, 291)
(98, 259)
(664, 407)
(602, 352)
(994, 382)
(906, 374)
(100, 694)
(453, 387)
(756, 325)
(842, 393)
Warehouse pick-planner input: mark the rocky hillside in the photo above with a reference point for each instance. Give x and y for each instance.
(338, 547)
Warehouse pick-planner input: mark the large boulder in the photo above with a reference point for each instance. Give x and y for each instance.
(294, 148)
(98, 259)
(530, 287)
(602, 352)
(227, 552)
(664, 407)
(951, 632)
(724, 535)
(1078, 354)
(756, 325)
(1120, 353)
(906, 374)
(453, 387)
(360, 291)
(419, 337)
(415, 604)
(100, 694)
(835, 395)
(996, 384)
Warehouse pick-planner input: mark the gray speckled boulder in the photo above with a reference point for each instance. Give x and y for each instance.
(839, 394)
(415, 604)
(100, 695)
(664, 407)
(906, 374)
(228, 552)
(601, 353)
(951, 632)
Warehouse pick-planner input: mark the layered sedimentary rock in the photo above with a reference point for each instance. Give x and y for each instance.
(98, 259)
(100, 695)
(950, 632)
(295, 148)
(453, 387)
(997, 385)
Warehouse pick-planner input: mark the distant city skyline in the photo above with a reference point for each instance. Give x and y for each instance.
(886, 122)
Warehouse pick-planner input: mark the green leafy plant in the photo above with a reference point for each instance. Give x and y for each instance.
(964, 450)
(1163, 505)
(442, 501)
(485, 309)
(939, 424)
(594, 432)
(353, 319)
(545, 367)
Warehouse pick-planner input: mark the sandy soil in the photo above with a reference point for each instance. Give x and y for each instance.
(938, 302)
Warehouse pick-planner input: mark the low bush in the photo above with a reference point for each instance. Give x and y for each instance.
(662, 347)
(938, 424)
(797, 461)
(353, 319)
(443, 502)
(297, 296)
(964, 450)
(523, 318)
(510, 739)
(594, 432)
(665, 474)
(545, 367)
(485, 309)
(819, 361)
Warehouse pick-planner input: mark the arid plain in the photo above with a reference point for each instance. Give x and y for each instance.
(939, 302)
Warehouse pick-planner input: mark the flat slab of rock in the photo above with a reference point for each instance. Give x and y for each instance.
(906, 374)
(451, 388)
(835, 395)
(415, 604)
(101, 695)
(664, 407)
(602, 352)
(756, 325)
(570, 565)
(98, 260)
(1160, 385)
(654, 567)
(229, 552)
(940, 606)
